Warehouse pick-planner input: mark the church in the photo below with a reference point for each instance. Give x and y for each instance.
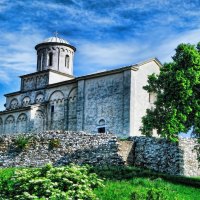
(53, 99)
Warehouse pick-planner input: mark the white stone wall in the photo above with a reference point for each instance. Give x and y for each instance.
(14, 122)
(140, 97)
(56, 78)
(105, 98)
(38, 115)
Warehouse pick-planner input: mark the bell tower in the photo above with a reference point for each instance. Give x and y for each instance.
(56, 54)
(54, 64)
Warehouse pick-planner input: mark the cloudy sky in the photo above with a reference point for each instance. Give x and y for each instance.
(107, 33)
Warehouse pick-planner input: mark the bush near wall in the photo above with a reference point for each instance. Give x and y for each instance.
(61, 183)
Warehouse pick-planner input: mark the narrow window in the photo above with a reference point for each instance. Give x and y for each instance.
(67, 61)
(52, 108)
(41, 62)
(50, 59)
(38, 62)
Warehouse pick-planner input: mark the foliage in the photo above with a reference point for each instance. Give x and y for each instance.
(177, 107)
(59, 183)
(22, 142)
(123, 187)
(54, 143)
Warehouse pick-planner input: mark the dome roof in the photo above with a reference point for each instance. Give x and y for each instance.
(55, 39)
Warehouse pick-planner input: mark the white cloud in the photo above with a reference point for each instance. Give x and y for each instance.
(17, 53)
(4, 77)
(166, 49)
(77, 11)
(94, 57)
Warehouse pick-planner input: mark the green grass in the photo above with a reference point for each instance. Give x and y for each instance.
(121, 181)
(122, 189)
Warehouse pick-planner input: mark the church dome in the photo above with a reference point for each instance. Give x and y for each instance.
(55, 39)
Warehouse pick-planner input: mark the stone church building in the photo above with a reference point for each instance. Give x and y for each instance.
(53, 99)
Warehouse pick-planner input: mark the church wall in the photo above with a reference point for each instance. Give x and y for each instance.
(80, 104)
(66, 63)
(13, 102)
(55, 78)
(62, 98)
(71, 114)
(26, 98)
(35, 81)
(15, 122)
(139, 97)
(102, 103)
(58, 108)
(38, 119)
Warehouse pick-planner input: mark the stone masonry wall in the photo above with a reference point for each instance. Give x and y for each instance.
(163, 156)
(76, 147)
(101, 149)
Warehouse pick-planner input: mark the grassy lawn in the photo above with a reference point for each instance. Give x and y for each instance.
(122, 189)
(120, 182)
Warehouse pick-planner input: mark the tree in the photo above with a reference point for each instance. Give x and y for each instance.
(177, 108)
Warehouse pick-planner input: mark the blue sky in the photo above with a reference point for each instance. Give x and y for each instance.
(107, 33)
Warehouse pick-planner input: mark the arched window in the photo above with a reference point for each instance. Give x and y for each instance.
(67, 61)
(50, 59)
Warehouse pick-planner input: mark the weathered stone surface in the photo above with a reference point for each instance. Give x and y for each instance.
(102, 149)
(164, 156)
(76, 147)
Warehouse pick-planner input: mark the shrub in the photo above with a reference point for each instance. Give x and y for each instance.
(22, 142)
(54, 143)
(60, 183)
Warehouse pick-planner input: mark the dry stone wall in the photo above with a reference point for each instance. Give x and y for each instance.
(164, 156)
(61, 148)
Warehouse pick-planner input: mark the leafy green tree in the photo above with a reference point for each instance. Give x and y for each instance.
(177, 108)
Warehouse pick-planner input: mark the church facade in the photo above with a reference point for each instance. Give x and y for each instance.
(53, 99)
